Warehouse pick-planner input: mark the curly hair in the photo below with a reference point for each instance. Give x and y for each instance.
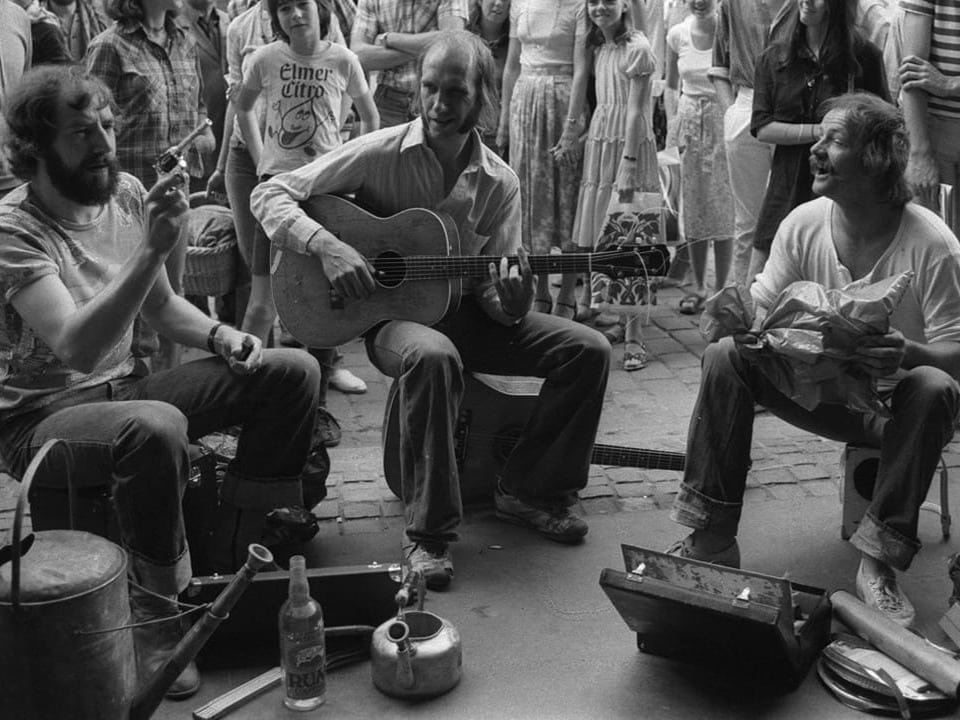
(878, 132)
(323, 12)
(31, 110)
(125, 11)
(481, 59)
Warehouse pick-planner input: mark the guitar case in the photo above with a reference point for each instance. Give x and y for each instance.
(738, 622)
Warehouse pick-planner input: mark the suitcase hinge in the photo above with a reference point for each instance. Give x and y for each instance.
(637, 573)
(743, 599)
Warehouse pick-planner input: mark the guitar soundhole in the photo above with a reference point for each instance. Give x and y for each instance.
(391, 269)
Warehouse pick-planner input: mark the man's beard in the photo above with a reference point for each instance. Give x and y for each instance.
(79, 186)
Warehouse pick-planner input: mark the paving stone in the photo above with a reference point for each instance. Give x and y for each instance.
(755, 494)
(810, 472)
(362, 492)
(600, 506)
(354, 510)
(638, 504)
(327, 509)
(786, 492)
(634, 490)
(361, 526)
(821, 488)
(596, 491)
(772, 476)
(329, 529)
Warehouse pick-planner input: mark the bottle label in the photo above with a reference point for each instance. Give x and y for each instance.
(304, 672)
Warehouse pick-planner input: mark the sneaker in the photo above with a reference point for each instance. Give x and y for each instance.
(686, 548)
(433, 561)
(346, 382)
(553, 521)
(883, 593)
(327, 429)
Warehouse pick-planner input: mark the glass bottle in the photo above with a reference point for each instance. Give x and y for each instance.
(302, 643)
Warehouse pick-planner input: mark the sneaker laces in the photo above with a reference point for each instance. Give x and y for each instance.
(884, 590)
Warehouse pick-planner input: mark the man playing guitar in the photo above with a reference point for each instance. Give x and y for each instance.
(438, 162)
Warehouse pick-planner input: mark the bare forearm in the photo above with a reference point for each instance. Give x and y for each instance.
(377, 57)
(781, 133)
(725, 94)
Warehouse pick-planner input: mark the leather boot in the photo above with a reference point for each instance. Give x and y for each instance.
(235, 529)
(155, 642)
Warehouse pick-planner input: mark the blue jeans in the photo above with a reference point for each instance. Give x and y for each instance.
(924, 407)
(550, 462)
(132, 435)
(395, 106)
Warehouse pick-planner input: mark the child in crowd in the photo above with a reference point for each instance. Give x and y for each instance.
(620, 155)
(707, 204)
(303, 79)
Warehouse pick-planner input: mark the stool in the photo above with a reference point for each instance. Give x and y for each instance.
(856, 491)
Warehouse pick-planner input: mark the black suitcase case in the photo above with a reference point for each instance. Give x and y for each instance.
(738, 621)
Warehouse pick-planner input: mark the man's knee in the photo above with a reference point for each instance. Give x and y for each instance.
(436, 361)
(291, 369)
(931, 387)
(155, 433)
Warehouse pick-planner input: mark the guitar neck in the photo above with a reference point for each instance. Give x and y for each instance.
(616, 455)
(445, 267)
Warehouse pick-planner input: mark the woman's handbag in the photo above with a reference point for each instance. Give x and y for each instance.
(641, 221)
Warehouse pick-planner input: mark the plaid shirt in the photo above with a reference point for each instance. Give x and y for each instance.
(404, 16)
(158, 90)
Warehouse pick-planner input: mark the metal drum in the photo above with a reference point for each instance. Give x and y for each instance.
(60, 655)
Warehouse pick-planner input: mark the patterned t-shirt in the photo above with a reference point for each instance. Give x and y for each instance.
(34, 244)
(302, 101)
(944, 46)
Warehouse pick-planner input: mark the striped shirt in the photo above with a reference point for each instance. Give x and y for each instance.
(403, 16)
(944, 46)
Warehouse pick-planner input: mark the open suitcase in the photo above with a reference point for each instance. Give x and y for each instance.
(733, 620)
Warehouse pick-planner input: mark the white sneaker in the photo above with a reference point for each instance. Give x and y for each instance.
(346, 382)
(883, 593)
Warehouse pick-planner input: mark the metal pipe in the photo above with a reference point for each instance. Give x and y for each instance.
(152, 692)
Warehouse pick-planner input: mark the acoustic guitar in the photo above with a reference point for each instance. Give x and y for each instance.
(493, 413)
(418, 271)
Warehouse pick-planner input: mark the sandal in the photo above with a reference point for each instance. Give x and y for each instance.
(691, 304)
(635, 359)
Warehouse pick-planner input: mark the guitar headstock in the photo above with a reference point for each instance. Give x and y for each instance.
(632, 260)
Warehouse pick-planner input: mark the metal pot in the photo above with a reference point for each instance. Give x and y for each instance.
(417, 654)
(60, 656)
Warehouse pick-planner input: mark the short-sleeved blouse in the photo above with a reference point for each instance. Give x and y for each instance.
(548, 30)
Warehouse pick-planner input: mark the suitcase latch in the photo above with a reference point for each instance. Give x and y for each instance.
(637, 573)
(743, 599)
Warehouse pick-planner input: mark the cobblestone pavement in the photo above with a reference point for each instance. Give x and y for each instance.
(648, 409)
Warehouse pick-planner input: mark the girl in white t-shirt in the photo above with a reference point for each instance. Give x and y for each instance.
(303, 80)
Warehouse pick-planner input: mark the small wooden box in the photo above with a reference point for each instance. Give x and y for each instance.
(734, 620)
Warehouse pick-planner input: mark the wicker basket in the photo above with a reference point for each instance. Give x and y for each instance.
(211, 264)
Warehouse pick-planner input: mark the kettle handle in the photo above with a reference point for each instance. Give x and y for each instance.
(25, 483)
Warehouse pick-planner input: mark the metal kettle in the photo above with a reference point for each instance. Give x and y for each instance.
(417, 654)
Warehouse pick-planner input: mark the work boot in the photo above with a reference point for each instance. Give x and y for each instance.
(233, 533)
(155, 641)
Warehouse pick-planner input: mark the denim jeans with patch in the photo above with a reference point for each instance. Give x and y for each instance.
(924, 408)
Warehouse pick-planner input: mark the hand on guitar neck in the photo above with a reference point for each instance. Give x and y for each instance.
(516, 284)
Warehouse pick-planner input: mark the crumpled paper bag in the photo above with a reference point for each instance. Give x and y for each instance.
(806, 343)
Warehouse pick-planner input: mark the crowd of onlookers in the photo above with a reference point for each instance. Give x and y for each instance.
(600, 101)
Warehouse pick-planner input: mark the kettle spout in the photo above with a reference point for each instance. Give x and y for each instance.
(399, 632)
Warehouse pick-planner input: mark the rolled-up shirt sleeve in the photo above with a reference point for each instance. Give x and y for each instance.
(276, 203)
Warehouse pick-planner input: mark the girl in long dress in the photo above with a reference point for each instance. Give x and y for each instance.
(620, 154)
